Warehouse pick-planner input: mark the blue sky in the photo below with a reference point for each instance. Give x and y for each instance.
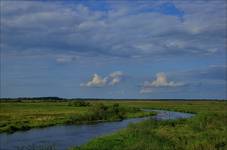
(114, 49)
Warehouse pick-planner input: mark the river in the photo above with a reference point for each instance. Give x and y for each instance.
(65, 136)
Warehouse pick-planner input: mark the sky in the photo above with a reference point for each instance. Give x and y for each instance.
(114, 49)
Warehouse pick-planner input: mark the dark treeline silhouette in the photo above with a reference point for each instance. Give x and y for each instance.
(20, 99)
(59, 99)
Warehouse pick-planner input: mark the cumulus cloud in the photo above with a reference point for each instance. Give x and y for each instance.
(161, 81)
(98, 81)
(95, 81)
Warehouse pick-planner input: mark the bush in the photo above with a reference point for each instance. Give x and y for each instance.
(102, 112)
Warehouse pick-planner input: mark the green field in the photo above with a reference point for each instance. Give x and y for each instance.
(205, 131)
(25, 115)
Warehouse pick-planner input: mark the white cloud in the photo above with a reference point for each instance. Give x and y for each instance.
(95, 81)
(98, 81)
(161, 81)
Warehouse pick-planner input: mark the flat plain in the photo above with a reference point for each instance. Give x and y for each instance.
(207, 130)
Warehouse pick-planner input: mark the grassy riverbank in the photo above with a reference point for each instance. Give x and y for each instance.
(24, 115)
(205, 131)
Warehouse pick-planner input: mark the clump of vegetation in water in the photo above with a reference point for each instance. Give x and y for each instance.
(79, 104)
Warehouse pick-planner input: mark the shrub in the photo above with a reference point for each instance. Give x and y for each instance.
(102, 112)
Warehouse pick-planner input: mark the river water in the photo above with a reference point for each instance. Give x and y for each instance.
(65, 136)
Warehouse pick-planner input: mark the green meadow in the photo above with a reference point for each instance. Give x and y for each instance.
(25, 115)
(207, 130)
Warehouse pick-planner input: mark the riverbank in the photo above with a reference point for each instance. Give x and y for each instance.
(206, 130)
(62, 137)
(24, 115)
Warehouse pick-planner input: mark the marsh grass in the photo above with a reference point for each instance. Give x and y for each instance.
(207, 130)
(16, 116)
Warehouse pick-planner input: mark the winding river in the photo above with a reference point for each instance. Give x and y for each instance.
(65, 136)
